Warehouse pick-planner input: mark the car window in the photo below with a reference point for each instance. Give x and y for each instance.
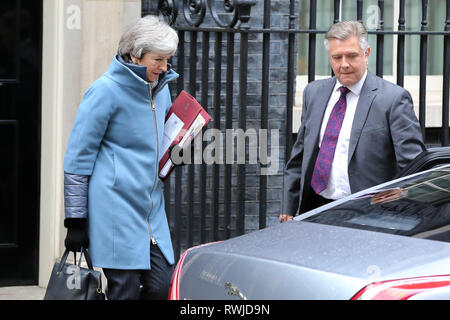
(416, 207)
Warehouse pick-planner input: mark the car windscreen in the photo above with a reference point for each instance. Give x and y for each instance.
(416, 207)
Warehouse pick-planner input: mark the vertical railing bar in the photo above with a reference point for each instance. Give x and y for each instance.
(216, 123)
(204, 103)
(242, 115)
(401, 46)
(380, 41)
(359, 10)
(264, 110)
(179, 170)
(337, 5)
(337, 10)
(290, 90)
(178, 212)
(423, 68)
(228, 127)
(445, 81)
(191, 167)
(312, 41)
(167, 196)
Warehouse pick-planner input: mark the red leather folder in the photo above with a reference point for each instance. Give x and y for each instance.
(186, 118)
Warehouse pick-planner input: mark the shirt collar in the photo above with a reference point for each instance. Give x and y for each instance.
(356, 88)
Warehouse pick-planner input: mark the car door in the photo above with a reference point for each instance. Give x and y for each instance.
(428, 159)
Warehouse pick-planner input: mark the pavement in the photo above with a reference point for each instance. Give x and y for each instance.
(22, 293)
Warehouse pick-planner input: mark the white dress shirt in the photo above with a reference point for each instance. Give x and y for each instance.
(338, 183)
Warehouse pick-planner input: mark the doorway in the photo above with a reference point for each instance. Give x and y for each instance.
(20, 119)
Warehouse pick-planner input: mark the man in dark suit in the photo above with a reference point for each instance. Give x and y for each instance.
(357, 130)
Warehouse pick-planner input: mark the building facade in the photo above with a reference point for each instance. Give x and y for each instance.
(249, 75)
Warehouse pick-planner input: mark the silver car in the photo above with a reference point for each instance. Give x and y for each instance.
(387, 242)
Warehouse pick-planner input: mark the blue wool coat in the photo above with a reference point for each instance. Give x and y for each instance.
(115, 140)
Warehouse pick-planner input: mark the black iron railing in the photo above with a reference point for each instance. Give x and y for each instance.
(202, 202)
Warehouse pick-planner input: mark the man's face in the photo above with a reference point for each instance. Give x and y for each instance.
(348, 60)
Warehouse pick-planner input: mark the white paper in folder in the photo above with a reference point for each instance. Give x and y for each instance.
(172, 127)
(193, 131)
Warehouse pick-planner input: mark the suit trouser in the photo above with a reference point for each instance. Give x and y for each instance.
(141, 284)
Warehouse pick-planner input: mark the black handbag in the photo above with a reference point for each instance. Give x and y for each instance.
(72, 282)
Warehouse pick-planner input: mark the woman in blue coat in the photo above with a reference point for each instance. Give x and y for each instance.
(113, 199)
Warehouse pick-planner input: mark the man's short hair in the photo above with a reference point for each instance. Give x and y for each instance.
(346, 29)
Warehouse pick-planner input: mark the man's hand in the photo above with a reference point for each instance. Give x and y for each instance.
(285, 218)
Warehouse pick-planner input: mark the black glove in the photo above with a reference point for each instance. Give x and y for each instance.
(77, 234)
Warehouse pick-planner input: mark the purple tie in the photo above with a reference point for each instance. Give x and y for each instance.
(322, 168)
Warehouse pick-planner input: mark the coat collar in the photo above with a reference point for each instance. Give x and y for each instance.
(122, 74)
(141, 71)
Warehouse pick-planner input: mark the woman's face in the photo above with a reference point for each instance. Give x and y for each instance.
(155, 63)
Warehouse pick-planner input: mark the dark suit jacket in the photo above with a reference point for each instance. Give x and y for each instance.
(385, 137)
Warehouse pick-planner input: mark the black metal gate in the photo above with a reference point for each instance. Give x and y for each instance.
(229, 58)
